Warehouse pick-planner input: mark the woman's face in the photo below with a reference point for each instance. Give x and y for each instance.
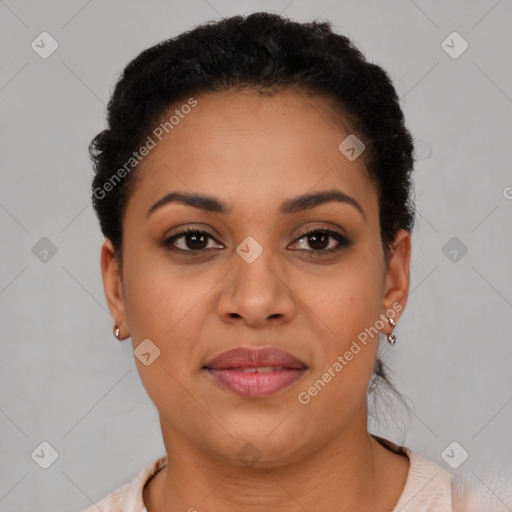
(256, 279)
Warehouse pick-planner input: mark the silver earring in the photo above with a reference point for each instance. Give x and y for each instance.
(391, 336)
(117, 332)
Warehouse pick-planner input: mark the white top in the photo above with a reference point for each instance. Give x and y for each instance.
(428, 488)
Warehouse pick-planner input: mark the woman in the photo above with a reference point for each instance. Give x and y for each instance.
(254, 189)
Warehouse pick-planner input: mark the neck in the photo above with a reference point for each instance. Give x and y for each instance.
(349, 473)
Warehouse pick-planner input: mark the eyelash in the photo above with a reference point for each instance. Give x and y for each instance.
(343, 241)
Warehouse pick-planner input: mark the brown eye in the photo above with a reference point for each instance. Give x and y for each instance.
(192, 241)
(319, 240)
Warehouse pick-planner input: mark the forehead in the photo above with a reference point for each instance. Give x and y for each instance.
(252, 149)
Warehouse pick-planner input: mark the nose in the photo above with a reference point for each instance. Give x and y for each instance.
(257, 294)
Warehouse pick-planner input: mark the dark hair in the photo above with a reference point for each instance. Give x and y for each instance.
(264, 52)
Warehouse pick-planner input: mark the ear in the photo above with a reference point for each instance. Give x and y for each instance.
(113, 286)
(397, 280)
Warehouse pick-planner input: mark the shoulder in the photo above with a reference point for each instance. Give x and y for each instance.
(489, 490)
(428, 485)
(431, 487)
(128, 498)
(434, 488)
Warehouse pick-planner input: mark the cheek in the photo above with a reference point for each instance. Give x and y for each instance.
(158, 298)
(160, 307)
(345, 302)
(339, 381)
(166, 306)
(347, 311)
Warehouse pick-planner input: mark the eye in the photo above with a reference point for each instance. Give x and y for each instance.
(194, 241)
(318, 238)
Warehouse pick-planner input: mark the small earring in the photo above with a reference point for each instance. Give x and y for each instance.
(117, 332)
(391, 336)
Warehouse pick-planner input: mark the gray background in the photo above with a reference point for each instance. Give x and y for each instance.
(67, 381)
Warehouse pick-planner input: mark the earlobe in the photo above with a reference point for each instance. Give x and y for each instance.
(398, 274)
(112, 283)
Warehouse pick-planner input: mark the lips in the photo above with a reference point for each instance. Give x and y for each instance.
(255, 373)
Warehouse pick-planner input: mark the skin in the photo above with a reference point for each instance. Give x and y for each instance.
(254, 151)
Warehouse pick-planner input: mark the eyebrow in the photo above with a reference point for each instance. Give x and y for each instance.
(289, 206)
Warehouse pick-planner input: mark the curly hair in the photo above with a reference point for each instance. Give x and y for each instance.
(264, 52)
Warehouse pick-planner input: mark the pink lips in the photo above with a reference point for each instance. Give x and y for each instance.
(255, 373)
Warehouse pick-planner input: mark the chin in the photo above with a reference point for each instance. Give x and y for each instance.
(263, 447)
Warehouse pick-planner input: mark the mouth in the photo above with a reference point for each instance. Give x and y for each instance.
(255, 373)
